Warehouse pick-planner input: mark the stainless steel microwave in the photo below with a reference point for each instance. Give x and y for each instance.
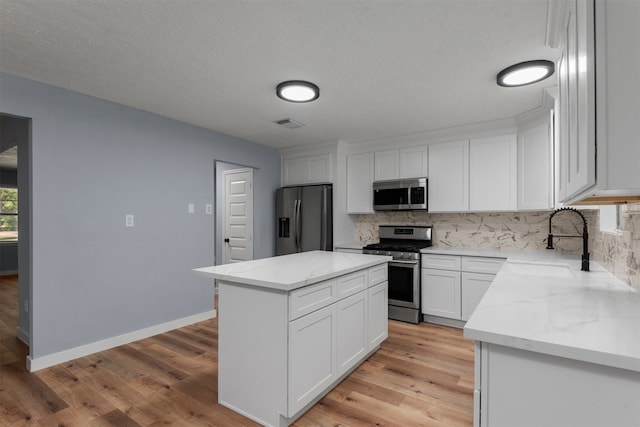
(400, 194)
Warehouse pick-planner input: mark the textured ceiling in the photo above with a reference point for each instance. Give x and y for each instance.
(384, 68)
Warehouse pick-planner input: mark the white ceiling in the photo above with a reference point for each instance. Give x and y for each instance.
(385, 68)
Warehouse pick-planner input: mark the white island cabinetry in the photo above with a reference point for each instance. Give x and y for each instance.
(292, 327)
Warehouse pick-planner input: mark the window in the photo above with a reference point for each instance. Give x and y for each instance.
(611, 219)
(8, 214)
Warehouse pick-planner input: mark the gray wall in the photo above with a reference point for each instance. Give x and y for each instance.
(93, 162)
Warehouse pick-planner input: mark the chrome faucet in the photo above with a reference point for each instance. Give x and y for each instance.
(585, 236)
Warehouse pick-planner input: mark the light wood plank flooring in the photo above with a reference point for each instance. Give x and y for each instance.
(421, 376)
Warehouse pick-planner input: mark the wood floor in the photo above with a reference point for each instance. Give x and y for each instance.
(421, 376)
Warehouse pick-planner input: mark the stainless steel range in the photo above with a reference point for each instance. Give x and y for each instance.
(403, 243)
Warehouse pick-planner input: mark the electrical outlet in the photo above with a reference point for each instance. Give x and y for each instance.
(191, 208)
(128, 220)
(208, 209)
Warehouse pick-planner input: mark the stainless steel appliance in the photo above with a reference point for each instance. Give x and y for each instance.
(305, 219)
(403, 243)
(400, 195)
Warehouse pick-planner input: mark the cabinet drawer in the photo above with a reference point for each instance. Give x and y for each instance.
(310, 298)
(481, 265)
(441, 262)
(378, 274)
(352, 283)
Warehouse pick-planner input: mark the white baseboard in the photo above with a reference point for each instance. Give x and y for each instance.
(22, 335)
(35, 364)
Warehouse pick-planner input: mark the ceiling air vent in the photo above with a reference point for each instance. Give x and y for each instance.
(289, 123)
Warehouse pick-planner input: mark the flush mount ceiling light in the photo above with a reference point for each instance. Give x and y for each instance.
(525, 73)
(297, 91)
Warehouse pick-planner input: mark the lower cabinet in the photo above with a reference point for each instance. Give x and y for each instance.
(441, 293)
(453, 285)
(279, 352)
(312, 359)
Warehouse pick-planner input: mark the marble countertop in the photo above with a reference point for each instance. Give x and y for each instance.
(350, 245)
(289, 272)
(540, 301)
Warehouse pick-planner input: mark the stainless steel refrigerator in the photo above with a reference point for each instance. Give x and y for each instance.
(305, 219)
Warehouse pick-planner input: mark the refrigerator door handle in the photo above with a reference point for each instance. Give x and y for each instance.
(323, 226)
(297, 208)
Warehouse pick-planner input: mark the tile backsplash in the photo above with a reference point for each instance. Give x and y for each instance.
(619, 254)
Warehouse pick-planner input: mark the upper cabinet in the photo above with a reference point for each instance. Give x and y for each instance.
(535, 167)
(414, 162)
(449, 177)
(492, 173)
(307, 170)
(599, 100)
(410, 162)
(386, 165)
(360, 169)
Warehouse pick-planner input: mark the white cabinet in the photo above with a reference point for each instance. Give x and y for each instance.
(474, 286)
(352, 335)
(515, 387)
(280, 351)
(312, 359)
(598, 99)
(414, 162)
(441, 293)
(307, 170)
(493, 173)
(409, 162)
(360, 183)
(453, 285)
(535, 173)
(449, 177)
(386, 165)
(378, 314)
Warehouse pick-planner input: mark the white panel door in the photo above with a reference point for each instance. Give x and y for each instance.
(359, 183)
(414, 162)
(441, 293)
(352, 331)
(386, 165)
(474, 286)
(378, 314)
(449, 177)
(492, 173)
(535, 168)
(312, 356)
(238, 217)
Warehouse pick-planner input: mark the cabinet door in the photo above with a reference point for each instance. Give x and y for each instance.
(307, 170)
(441, 293)
(449, 177)
(535, 168)
(414, 162)
(360, 183)
(378, 314)
(474, 285)
(312, 358)
(492, 173)
(352, 332)
(386, 165)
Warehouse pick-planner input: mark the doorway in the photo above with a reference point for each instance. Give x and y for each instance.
(15, 172)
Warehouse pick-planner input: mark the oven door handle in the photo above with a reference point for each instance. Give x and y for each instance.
(397, 261)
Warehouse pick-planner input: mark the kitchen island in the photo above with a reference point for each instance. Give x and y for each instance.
(555, 346)
(292, 327)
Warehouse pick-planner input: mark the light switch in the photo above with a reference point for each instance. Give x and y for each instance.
(128, 220)
(191, 208)
(208, 209)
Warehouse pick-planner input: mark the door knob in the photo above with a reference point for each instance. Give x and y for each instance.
(226, 240)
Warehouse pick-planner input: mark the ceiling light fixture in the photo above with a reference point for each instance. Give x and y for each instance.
(525, 73)
(297, 91)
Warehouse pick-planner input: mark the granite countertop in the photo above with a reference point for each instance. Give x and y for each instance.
(289, 272)
(540, 301)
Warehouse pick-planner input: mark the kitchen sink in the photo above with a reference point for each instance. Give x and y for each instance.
(537, 269)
